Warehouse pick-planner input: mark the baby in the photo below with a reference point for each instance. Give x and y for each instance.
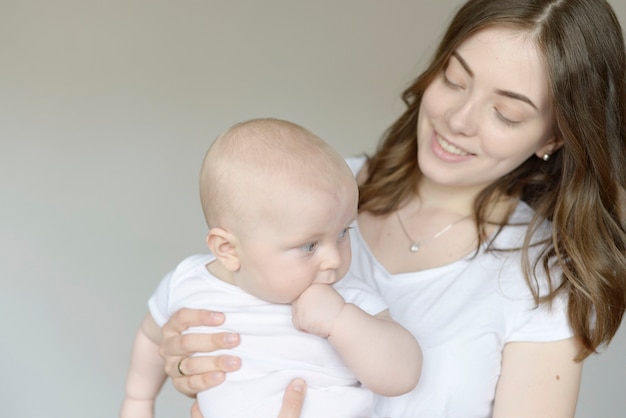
(279, 203)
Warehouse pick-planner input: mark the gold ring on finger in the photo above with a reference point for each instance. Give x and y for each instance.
(179, 364)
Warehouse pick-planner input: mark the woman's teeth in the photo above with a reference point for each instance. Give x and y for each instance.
(448, 147)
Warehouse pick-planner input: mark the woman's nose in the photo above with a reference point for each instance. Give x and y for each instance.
(461, 117)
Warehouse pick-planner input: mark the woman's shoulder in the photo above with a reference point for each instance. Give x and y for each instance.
(514, 232)
(522, 213)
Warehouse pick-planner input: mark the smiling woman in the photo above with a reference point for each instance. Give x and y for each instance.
(512, 140)
(105, 110)
(487, 112)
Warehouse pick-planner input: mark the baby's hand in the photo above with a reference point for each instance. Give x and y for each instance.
(316, 309)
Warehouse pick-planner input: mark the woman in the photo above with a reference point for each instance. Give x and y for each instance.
(491, 216)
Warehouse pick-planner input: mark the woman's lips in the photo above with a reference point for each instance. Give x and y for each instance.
(449, 148)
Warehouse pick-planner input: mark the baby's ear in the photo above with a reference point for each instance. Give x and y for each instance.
(223, 245)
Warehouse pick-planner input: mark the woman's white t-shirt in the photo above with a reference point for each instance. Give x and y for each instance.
(462, 314)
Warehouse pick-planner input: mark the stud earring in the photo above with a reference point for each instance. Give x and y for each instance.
(546, 157)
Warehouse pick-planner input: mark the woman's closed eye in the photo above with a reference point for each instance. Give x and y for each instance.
(452, 84)
(507, 121)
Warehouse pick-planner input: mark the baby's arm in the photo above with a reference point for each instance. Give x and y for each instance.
(383, 355)
(146, 373)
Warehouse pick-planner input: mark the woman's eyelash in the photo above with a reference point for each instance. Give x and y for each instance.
(447, 81)
(505, 120)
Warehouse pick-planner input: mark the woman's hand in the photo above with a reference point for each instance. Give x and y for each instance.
(202, 372)
(293, 399)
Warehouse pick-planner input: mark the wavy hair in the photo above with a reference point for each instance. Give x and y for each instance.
(581, 189)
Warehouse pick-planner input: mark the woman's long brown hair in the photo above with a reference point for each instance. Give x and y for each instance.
(581, 189)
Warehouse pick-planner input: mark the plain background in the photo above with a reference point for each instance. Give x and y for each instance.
(106, 110)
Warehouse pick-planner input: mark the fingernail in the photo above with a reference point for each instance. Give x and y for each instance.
(298, 386)
(217, 376)
(231, 338)
(217, 316)
(232, 363)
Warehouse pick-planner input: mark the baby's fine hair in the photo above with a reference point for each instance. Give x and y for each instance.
(263, 153)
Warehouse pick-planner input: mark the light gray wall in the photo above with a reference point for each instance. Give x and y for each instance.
(106, 109)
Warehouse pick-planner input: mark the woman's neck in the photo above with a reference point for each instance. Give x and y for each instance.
(432, 196)
(459, 200)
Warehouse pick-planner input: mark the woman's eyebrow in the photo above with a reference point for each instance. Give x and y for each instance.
(506, 93)
(516, 96)
(463, 63)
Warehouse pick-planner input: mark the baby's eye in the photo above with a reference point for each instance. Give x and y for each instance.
(309, 247)
(344, 232)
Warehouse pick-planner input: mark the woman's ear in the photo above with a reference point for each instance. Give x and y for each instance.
(223, 245)
(549, 148)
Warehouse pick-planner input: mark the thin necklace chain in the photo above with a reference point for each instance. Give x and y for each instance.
(416, 245)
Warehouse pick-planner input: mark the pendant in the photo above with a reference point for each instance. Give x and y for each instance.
(415, 247)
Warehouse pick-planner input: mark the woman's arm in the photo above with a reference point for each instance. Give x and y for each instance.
(538, 380)
(202, 372)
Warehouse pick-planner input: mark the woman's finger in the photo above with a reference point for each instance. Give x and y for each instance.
(192, 374)
(293, 399)
(176, 354)
(176, 345)
(183, 345)
(182, 367)
(189, 366)
(185, 318)
(202, 373)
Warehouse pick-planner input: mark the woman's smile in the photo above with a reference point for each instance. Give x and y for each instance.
(450, 148)
(477, 124)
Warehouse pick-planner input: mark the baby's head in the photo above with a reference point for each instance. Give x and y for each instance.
(278, 201)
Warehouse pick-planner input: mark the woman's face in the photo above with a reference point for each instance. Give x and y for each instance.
(487, 112)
